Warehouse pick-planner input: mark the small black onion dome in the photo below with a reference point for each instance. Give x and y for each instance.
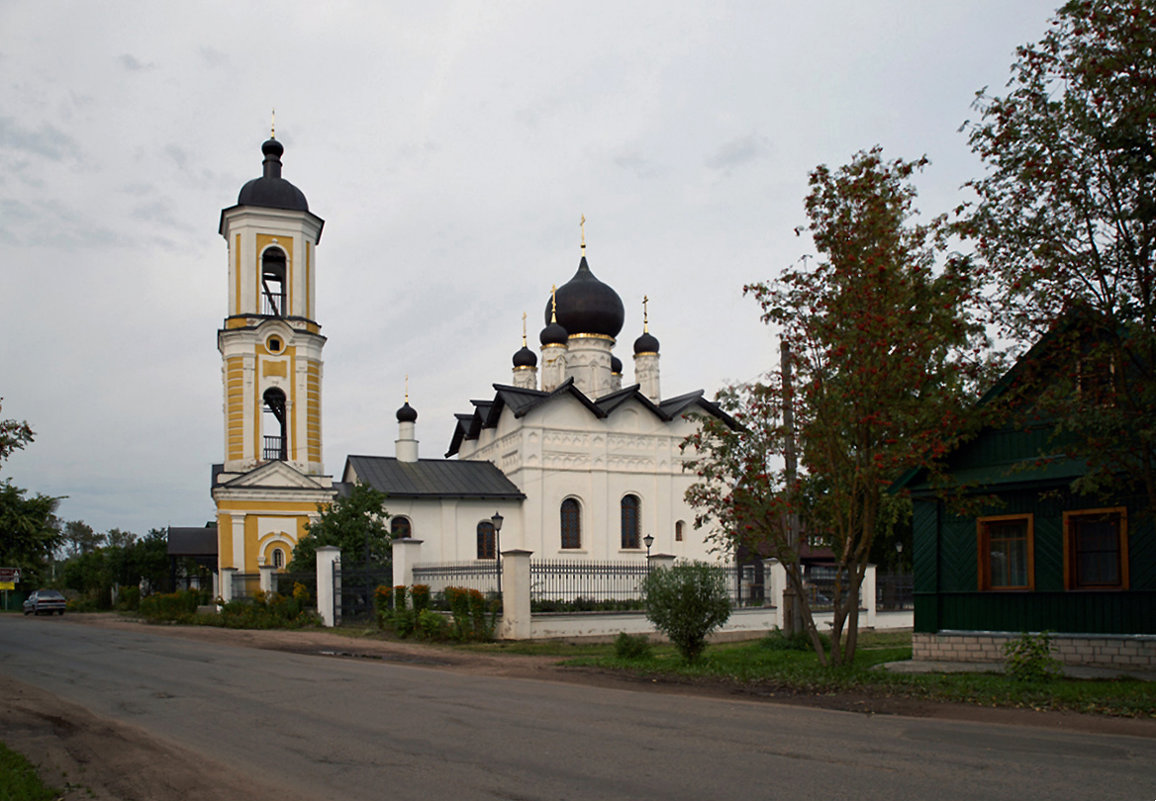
(646, 343)
(615, 365)
(407, 414)
(553, 334)
(585, 305)
(271, 191)
(525, 358)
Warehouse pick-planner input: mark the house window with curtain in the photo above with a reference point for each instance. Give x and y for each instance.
(1006, 553)
(1096, 549)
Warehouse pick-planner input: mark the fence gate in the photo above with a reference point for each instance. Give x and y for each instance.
(353, 589)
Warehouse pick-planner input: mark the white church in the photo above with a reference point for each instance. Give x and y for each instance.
(577, 464)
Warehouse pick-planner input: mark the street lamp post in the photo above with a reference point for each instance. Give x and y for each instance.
(648, 540)
(496, 521)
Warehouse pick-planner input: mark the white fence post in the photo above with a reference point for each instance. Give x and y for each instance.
(227, 574)
(267, 572)
(328, 557)
(868, 595)
(405, 554)
(776, 574)
(516, 623)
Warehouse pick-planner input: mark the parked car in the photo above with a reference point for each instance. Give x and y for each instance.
(45, 602)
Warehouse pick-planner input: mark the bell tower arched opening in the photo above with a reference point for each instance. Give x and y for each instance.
(273, 271)
(275, 440)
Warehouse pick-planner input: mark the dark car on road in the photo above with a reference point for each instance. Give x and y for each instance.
(45, 602)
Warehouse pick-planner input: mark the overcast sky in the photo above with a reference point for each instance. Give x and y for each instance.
(451, 149)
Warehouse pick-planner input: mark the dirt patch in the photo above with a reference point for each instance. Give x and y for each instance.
(96, 758)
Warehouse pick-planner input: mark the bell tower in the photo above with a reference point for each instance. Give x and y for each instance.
(269, 486)
(270, 344)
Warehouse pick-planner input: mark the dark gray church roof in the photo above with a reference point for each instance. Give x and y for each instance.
(433, 478)
(188, 541)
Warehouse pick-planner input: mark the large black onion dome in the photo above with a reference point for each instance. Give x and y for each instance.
(585, 305)
(647, 343)
(615, 365)
(525, 358)
(271, 191)
(553, 334)
(407, 414)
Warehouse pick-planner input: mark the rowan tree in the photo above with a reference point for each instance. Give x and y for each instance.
(887, 348)
(1066, 221)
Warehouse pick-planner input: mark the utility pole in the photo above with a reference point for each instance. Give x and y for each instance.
(793, 611)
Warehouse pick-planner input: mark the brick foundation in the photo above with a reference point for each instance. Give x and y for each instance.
(1135, 651)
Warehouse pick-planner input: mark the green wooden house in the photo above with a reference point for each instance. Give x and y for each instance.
(1031, 555)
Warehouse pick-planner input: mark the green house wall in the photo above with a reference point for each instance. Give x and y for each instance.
(1001, 463)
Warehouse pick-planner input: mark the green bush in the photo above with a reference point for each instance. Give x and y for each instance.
(170, 606)
(399, 593)
(1029, 658)
(419, 593)
(631, 647)
(382, 605)
(128, 598)
(433, 625)
(404, 622)
(687, 602)
(799, 641)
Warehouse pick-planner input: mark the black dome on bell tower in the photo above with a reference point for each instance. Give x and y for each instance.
(271, 191)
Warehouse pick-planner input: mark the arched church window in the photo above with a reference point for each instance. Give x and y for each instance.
(276, 444)
(486, 549)
(679, 527)
(273, 282)
(278, 558)
(630, 505)
(571, 524)
(399, 528)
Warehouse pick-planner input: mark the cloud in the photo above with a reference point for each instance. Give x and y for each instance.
(635, 162)
(47, 140)
(212, 56)
(132, 64)
(738, 152)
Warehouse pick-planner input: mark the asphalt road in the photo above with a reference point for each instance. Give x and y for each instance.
(358, 729)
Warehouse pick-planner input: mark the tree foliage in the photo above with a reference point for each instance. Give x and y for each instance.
(887, 345)
(686, 602)
(14, 435)
(29, 532)
(355, 523)
(1066, 222)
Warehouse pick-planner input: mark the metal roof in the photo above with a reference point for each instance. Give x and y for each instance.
(433, 478)
(188, 541)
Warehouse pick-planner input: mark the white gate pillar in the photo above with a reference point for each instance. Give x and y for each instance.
(515, 623)
(777, 576)
(328, 557)
(406, 552)
(868, 595)
(267, 572)
(227, 574)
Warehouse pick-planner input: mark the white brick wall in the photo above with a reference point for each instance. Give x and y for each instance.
(1107, 650)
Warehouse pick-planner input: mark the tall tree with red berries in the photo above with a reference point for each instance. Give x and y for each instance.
(1066, 222)
(887, 351)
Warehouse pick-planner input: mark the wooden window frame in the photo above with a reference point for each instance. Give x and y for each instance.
(983, 553)
(487, 541)
(1070, 545)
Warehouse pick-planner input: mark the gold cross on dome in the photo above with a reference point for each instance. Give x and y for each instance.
(523, 329)
(554, 303)
(407, 387)
(645, 322)
(273, 125)
(582, 226)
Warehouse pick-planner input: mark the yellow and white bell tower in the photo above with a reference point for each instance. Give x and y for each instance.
(272, 478)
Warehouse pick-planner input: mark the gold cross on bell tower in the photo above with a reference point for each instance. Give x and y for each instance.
(582, 227)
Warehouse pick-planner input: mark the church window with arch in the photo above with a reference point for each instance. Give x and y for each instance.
(571, 524)
(278, 558)
(273, 272)
(630, 524)
(400, 528)
(486, 541)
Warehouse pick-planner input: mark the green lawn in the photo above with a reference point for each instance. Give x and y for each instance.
(19, 780)
(761, 667)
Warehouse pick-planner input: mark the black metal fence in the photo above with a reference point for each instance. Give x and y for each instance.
(567, 580)
(481, 575)
(353, 589)
(246, 585)
(894, 591)
(283, 583)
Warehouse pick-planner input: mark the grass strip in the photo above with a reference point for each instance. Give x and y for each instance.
(19, 780)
